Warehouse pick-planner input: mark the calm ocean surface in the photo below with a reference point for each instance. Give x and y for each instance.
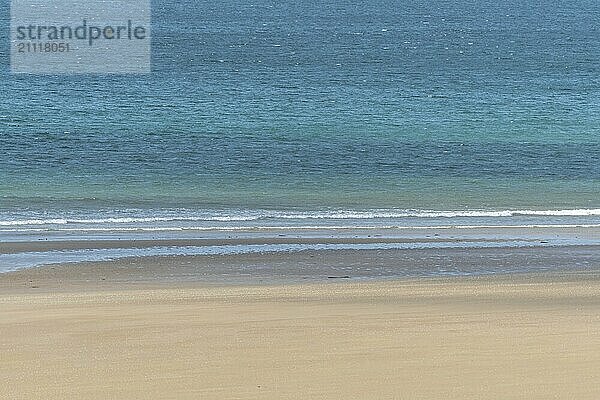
(350, 112)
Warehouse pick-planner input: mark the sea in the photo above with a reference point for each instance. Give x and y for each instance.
(314, 114)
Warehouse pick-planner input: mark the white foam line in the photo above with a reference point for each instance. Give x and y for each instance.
(309, 227)
(252, 215)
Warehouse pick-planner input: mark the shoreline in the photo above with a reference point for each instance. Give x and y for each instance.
(76, 244)
(264, 246)
(307, 266)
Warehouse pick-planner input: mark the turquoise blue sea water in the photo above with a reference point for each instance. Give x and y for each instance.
(347, 112)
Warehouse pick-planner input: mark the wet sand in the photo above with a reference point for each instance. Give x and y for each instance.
(302, 267)
(51, 241)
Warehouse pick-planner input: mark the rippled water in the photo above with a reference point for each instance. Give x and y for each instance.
(318, 108)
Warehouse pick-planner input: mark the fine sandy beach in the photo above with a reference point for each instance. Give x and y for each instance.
(67, 334)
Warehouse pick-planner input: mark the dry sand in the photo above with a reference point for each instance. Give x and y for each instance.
(521, 336)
